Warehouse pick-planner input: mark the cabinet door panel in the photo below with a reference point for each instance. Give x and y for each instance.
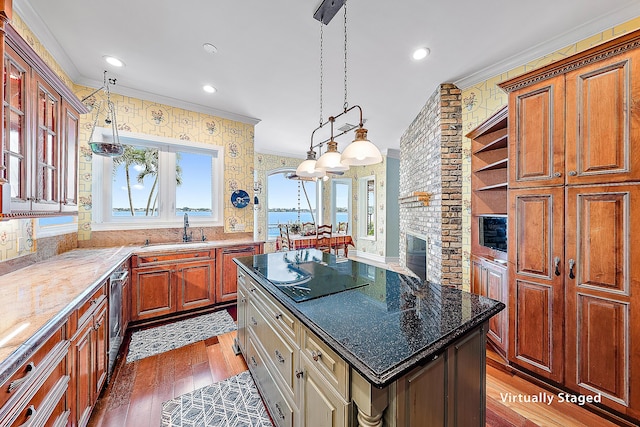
(101, 350)
(603, 121)
(82, 381)
(536, 136)
(496, 289)
(536, 309)
(227, 271)
(152, 293)
(602, 305)
(195, 285)
(321, 405)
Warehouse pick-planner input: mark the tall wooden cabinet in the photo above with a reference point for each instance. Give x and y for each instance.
(574, 208)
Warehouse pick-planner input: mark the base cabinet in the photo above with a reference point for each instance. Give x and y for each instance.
(89, 361)
(489, 279)
(305, 383)
(227, 270)
(165, 284)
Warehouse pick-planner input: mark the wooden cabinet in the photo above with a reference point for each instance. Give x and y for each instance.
(320, 403)
(573, 208)
(489, 279)
(40, 147)
(164, 284)
(536, 308)
(89, 356)
(227, 271)
(36, 394)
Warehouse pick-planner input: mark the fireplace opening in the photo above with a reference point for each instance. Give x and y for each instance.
(416, 256)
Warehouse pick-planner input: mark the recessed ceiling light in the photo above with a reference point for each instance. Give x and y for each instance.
(209, 88)
(209, 48)
(114, 61)
(421, 53)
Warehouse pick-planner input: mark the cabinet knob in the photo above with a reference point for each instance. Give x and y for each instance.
(316, 355)
(573, 173)
(31, 411)
(299, 374)
(557, 174)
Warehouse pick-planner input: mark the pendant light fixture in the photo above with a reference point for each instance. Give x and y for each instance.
(361, 151)
(99, 147)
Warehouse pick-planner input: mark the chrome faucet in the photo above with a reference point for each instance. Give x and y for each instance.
(186, 237)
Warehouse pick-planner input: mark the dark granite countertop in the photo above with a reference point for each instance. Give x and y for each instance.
(381, 322)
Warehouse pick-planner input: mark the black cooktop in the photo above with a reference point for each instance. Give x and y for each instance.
(307, 274)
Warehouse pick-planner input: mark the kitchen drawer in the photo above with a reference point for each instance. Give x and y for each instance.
(282, 413)
(334, 369)
(279, 351)
(162, 258)
(35, 394)
(282, 319)
(86, 309)
(40, 364)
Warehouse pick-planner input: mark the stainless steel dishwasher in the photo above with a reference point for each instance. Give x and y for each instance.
(116, 333)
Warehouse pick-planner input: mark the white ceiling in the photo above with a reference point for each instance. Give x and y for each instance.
(267, 67)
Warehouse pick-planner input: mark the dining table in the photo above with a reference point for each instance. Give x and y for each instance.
(300, 241)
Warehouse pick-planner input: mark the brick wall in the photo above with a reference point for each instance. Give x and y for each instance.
(430, 161)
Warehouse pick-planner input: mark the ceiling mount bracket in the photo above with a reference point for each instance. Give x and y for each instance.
(327, 10)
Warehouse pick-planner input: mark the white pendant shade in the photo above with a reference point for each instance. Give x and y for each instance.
(361, 151)
(307, 169)
(330, 161)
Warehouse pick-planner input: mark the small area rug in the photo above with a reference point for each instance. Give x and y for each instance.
(149, 342)
(233, 402)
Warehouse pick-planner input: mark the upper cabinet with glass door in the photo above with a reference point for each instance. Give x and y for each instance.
(38, 165)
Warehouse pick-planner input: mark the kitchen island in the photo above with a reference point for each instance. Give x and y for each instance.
(344, 343)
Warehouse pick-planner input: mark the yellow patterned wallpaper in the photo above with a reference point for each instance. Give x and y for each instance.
(146, 117)
(481, 100)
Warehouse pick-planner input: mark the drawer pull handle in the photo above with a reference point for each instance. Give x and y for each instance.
(252, 290)
(280, 414)
(279, 357)
(253, 362)
(299, 374)
(243, 300)
(31, 411)
(316, 355)
(278, 316)
(94, 301)
(29, 369)
(254, 321)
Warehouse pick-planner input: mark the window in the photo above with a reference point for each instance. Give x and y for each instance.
(157, 182)
(287, 202)
(340, 200)
(367, 207)
(56, 225)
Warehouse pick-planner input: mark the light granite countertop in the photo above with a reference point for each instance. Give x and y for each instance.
(36, 300)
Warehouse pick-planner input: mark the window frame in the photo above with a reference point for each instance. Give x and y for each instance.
(349, 183)
(102, 218)
(362, 207)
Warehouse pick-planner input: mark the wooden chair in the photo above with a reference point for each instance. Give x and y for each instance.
(308, 228)
(285, 241)
(343, 228)
(323, 237)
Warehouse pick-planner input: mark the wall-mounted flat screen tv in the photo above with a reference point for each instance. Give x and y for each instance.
(493, 232)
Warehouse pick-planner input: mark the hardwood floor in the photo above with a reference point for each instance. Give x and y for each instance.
(134, 396)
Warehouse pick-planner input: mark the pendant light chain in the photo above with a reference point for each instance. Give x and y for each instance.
(346, 104)
(321, 70)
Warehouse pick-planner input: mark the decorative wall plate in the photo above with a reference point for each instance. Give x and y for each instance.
(240, 199)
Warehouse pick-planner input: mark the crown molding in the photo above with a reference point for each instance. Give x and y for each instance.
(588, 29)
